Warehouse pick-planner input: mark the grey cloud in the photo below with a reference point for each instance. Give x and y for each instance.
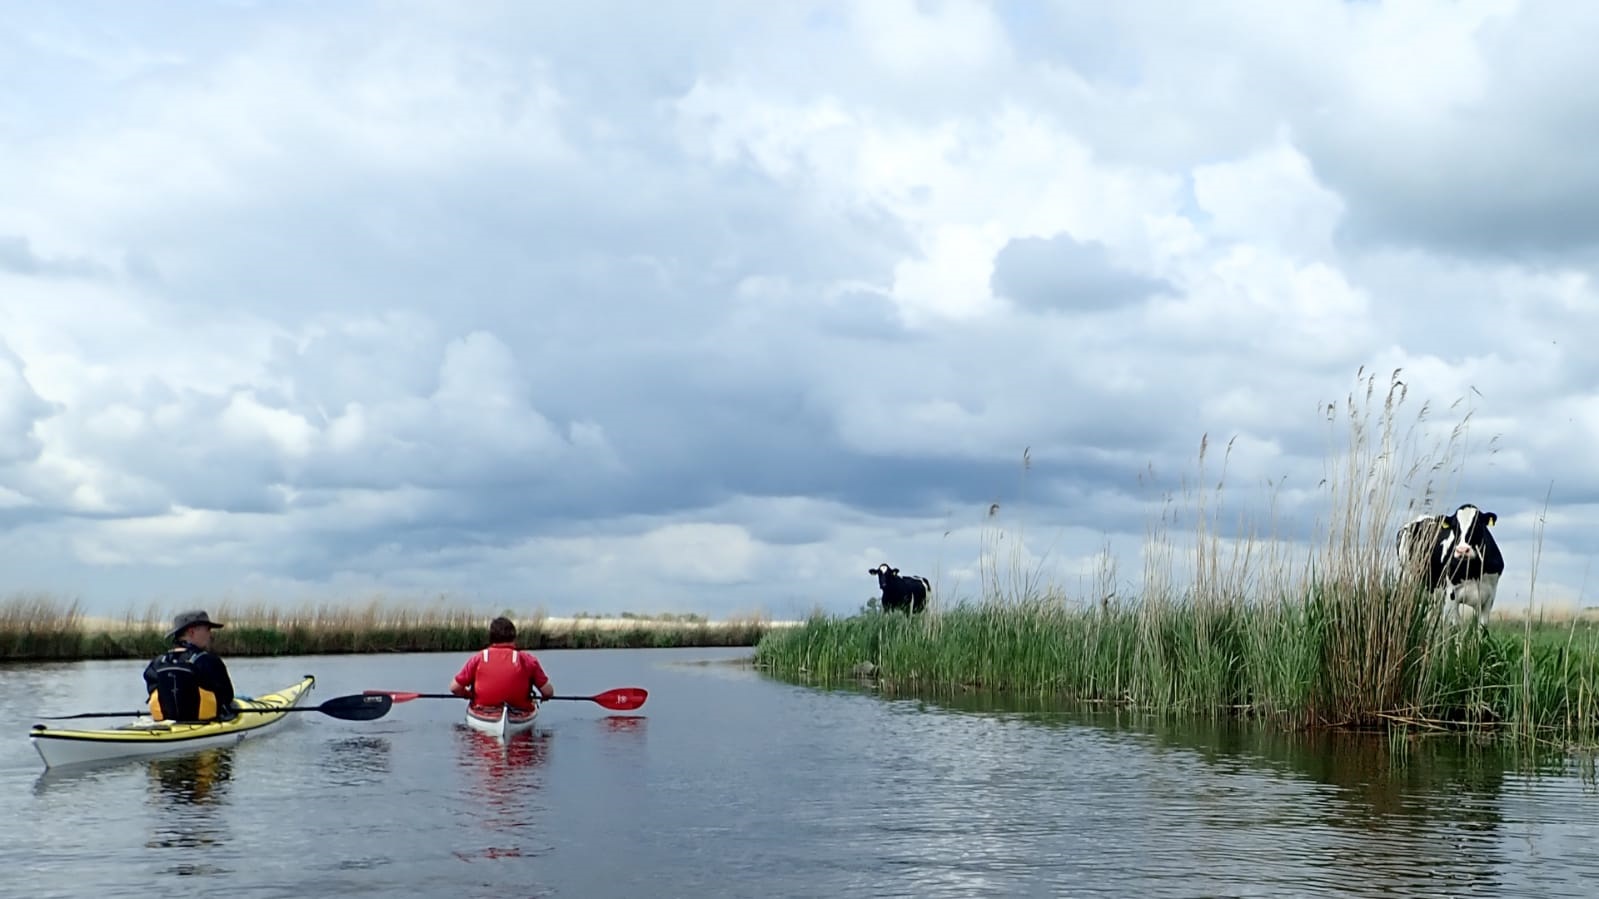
(1501, 171)
(626, 244)
(1063, 273)
(366, 361)
(1481, 204)
(861, 315)
(21, 409)
(1507, 173)
(17, 256)
(470, 424)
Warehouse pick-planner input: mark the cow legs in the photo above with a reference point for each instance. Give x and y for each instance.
(1478, 594)
(1470, 601)
(1450, 611)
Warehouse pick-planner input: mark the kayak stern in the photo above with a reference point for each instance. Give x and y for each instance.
(144, 736)
(501, 721)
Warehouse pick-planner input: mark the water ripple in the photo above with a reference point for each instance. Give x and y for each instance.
(728, 783)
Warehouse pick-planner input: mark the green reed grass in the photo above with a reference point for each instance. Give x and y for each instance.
(41, 628)
(36, 626)
(1284, 661)
(1329, 635)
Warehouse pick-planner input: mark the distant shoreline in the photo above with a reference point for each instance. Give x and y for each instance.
(35, 630)
(549, 624)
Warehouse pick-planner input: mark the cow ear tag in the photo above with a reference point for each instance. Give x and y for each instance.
(1491, 518)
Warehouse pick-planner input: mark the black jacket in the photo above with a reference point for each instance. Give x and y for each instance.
(178, 675)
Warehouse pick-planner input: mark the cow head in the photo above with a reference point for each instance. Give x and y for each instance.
(883, 572)
(1471, 530)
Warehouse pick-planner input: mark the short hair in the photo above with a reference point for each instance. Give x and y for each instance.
(501, 630)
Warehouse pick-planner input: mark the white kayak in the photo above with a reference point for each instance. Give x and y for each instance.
(501, 721)
(145, 736)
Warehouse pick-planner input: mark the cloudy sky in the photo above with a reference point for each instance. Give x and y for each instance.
(710, 306)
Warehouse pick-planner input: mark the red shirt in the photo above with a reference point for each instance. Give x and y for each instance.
(502, 674)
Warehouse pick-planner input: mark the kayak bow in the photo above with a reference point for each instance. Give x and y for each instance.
(144, 736)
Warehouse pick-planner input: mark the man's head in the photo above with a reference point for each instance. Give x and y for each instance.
(501, 630)
(193, 627)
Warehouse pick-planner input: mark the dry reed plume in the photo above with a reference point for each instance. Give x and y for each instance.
(1236, 617)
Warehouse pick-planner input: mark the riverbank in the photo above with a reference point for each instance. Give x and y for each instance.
(1313, 625)
(1289, 662)
(35, 629)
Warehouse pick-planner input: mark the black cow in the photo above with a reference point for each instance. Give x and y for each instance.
(907, 591)
(1456, 556)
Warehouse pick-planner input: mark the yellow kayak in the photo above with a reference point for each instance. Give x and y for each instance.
(144, 736)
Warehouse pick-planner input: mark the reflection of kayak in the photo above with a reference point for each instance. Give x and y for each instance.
(144, 736)
(500, 720)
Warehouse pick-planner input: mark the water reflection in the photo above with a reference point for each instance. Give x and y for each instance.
(356, 761)
(1357, 814)
(76, 779)
(188, 794)
(502, 790)
(736, 786)
(627, 723)
(1402, 814)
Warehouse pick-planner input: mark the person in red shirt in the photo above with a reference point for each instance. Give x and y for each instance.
(502, 674)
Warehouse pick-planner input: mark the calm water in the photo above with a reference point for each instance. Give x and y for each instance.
(730, 784)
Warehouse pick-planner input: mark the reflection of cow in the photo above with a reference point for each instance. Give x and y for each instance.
(1456, 557)
(907, 591)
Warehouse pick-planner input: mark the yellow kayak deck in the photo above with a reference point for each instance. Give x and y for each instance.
(144, 733)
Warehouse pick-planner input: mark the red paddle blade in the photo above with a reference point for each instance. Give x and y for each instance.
(622, 699)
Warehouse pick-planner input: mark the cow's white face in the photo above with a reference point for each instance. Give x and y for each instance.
(1467, 517)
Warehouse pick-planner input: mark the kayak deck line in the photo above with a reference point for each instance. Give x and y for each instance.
(145, 737)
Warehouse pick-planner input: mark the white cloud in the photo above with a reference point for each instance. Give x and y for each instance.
(962, 192)
(1271, 199)
(624, 313)
(913, 40)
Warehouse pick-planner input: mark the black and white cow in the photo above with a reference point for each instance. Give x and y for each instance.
(908, 591)
(1456, 557)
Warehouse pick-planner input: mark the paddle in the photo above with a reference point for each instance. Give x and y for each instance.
(622, 699)
(355, 707)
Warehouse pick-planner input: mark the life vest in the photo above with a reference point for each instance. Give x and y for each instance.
(503, 674)
(178, 695)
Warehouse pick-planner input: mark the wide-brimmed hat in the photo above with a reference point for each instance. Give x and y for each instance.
(185, 620)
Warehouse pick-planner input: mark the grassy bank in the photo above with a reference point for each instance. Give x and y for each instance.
(47, 629)
(1286, 662)
(1318, 628)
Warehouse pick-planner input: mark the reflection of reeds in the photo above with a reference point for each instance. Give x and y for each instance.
(1324, 633)
(41, 628)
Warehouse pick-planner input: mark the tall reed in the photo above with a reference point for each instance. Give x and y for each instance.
(1317, 626)
(39, 626)
(34, 628)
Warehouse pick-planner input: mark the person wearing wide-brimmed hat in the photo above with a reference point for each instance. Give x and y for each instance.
(189, 682)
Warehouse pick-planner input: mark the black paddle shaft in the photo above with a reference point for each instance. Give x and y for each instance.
(356, 707)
